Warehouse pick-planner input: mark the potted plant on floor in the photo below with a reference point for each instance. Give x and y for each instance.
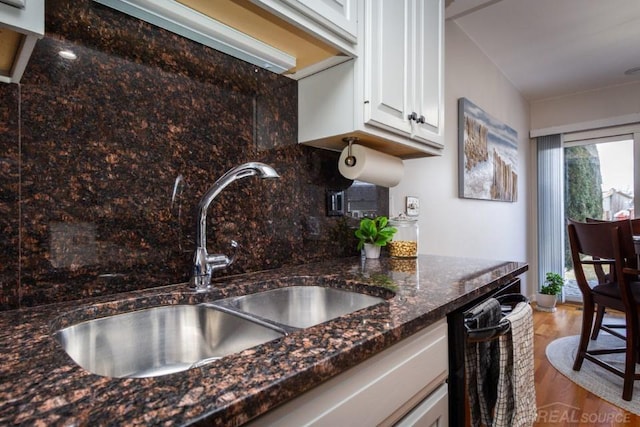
(548, 294)
(373, 234)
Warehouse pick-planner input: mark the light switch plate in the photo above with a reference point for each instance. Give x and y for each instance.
(413, 206)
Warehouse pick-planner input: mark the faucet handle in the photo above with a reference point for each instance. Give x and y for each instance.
(204, 265)
(217, 261)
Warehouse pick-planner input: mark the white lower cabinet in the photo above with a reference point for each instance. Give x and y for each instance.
(403, 385)
(431, 412)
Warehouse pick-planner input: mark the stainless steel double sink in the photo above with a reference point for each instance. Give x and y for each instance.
(167, 339)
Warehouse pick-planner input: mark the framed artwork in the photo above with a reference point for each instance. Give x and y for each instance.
(487, 156)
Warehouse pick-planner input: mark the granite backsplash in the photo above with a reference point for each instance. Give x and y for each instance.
(103, 161)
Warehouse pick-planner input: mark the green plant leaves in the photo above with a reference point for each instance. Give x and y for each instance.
(374, 231)
(553, 284)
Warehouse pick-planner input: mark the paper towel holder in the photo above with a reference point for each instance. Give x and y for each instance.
(350, 160)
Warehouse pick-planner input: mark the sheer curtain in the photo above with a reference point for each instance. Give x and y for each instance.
(550, 161)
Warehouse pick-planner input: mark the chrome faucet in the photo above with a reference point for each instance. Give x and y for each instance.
(203, 263)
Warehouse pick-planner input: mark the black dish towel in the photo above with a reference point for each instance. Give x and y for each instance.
(482, 367)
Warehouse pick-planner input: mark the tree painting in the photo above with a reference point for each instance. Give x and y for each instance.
(488, 155)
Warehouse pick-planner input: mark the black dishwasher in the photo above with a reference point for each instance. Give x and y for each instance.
(457, 342)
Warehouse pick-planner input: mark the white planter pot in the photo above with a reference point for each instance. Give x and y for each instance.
(546, 302)
(371, 251)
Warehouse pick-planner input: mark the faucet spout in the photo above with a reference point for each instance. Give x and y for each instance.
(203, 263)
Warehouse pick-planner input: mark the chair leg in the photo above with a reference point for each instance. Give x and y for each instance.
(630, 359)
(587, 323)
(598, 324)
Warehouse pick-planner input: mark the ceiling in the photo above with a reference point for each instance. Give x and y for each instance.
(551, 48)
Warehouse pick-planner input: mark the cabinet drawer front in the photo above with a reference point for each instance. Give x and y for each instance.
(372, 391)
(431, 412)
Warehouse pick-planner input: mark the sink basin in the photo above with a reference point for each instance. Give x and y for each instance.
(303, 306)
(160, 340)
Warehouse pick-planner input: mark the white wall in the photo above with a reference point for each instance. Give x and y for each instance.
(609, 106)
(464, 227)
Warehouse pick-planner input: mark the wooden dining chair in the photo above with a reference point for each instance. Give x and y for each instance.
(608, 244)
(629, 280)
(603, 276)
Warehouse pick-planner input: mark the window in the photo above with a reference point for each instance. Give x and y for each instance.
(599, 183)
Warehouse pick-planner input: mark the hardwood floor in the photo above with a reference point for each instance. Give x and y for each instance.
(557, 396)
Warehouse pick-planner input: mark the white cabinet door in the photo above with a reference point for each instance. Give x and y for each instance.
(404, 59)
(389, 60)
(429, 76)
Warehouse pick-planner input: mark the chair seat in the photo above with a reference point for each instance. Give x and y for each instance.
(613, 290)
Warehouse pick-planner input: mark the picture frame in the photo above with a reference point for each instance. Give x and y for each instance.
(487, 155)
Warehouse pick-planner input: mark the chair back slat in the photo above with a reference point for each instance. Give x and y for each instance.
(595, 238)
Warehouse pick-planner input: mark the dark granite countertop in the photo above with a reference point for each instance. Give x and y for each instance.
(41, 385)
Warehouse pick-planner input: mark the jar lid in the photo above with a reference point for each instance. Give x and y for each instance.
(403, 220)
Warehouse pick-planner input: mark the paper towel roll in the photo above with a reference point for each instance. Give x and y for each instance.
(371, 166)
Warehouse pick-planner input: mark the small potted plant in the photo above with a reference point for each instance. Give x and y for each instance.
(548, 294)
(373, 234)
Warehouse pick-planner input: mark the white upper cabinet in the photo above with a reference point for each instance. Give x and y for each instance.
(389, 60)
(334, 20)
(339, 14)
(20, 28)
(405, 59)
(391, 96)
(291, 37)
